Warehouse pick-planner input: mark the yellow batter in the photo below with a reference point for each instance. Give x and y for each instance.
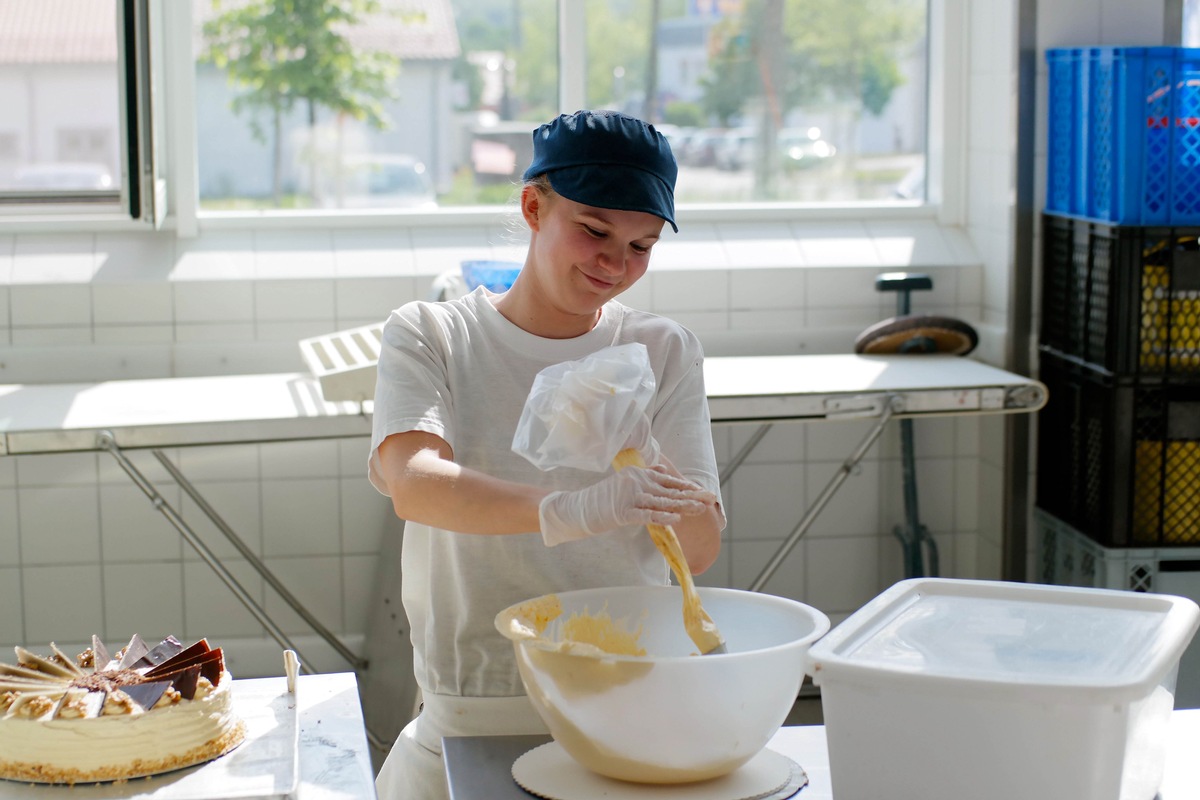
(580, 634)
(601, 631)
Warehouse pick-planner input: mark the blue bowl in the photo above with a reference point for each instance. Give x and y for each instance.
(497, 276)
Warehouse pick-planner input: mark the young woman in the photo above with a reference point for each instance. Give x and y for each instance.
(485, 528)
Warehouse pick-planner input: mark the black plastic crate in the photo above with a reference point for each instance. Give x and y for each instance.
(1122, 299)
(1119, 462)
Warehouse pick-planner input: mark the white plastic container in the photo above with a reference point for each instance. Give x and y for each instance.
(945, 689)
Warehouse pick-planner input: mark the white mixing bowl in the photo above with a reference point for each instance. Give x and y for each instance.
(670, 716)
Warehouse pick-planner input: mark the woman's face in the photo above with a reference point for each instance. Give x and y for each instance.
(584, 256)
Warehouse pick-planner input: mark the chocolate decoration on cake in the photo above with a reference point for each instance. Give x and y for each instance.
(37, 663)
(166, 649)
(25, 673)
(212, 664)
(79, 703)
(133, 652)
(60, 657)
(93, 703)
(184, 680)
(100, 656)
(187, 656)
(109, 680)
(147, 694)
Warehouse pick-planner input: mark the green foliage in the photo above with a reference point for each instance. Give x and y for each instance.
(880, 77)
(466, 191)
(683, 114)
(280, 52)
(618, 48)
(535, 79)
(733, 76)
(834, 50)
(852, 44)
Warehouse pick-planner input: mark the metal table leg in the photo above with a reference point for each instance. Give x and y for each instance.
(892, 405)
(107, 443)
(744, 453)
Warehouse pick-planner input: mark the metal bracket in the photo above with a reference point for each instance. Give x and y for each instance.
(1025, 397)
(868, 405)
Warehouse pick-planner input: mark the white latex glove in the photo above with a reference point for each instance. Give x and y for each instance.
(642, 441)
(633, 496)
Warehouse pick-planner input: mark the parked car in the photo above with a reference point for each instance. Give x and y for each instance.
(380, 181)
(803, 148)
(735, 149)
(701, 150)
(678, 138)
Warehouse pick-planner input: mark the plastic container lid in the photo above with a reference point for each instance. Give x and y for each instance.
(997, 634)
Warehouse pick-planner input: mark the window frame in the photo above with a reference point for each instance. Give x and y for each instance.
(162, 130)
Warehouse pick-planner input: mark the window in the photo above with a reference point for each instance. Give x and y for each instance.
(59, 86)
(1190, 34)
(763, 100)
(283, 113)
(418, 104)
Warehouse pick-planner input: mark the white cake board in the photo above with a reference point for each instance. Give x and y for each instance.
(549, 772)
(265, 765)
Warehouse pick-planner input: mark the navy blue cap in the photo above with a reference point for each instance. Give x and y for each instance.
(608, 160)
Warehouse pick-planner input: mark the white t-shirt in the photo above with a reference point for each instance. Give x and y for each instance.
(460, 370)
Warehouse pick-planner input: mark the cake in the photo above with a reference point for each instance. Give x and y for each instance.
(142, 711)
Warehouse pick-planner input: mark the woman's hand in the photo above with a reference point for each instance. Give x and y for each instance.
(633, 496)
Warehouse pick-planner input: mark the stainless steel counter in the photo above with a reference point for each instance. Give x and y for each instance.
(479, 767)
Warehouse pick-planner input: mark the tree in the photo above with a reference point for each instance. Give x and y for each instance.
(732, 77)
(854, 46)
(284, 52)
(621, 55)
(535, 76)
(780, 55)
(841, 51)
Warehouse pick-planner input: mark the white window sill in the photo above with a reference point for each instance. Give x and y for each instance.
(287, 246)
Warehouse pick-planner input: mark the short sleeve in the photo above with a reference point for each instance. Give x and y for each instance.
(411, 387)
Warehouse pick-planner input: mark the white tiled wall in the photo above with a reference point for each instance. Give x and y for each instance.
(95, 307)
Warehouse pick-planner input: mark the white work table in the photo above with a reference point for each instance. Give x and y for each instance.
(115, 416)
(179, 412)
(793, 388)
(172, 412)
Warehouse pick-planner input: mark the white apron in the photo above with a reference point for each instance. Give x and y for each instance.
(414, 769)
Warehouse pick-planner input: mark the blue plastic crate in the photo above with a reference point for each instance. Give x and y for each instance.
(1123, 139)
(497, 276)
(1064, 147)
